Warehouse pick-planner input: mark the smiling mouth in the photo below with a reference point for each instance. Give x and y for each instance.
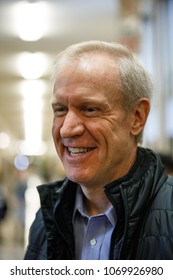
(74, 152)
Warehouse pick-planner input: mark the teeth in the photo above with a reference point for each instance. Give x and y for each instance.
(78, 150)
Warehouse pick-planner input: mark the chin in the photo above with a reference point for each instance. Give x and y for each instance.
(77, 178)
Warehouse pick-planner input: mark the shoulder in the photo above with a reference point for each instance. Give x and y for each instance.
(156, 235)
(160, 216)
(164, 197)
(37, 245)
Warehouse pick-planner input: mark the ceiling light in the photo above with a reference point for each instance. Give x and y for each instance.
(31, 20)
(32, 65)
(4, 140)
(32, 92)
(32, 89)
(32, 148)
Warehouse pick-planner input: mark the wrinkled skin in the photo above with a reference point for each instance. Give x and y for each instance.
(93, 135)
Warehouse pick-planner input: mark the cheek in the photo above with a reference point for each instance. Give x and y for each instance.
(117, 137)
(55, 130)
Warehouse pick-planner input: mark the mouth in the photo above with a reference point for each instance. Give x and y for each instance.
(78, 151)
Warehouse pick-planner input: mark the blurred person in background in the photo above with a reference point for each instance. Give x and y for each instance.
(3, 208)
(117, 200)
(20, 204)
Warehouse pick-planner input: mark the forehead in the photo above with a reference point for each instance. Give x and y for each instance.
(97, 70)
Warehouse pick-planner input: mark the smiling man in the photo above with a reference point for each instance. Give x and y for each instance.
(111, 200)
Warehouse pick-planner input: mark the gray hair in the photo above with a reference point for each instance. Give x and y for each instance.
(135, 82)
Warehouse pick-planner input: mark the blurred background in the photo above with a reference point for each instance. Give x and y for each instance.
(31, 34)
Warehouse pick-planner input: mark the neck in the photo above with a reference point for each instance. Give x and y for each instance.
(96, 201)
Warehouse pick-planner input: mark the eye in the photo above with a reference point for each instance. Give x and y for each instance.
(90, 111)
(59, 111)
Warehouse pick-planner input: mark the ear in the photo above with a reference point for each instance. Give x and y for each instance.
(140, 115)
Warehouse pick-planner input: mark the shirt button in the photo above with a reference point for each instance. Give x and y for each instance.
(93, 242)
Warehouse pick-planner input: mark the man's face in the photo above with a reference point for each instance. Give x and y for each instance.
(91, 131)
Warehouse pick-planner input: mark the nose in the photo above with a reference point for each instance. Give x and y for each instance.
(72, 125)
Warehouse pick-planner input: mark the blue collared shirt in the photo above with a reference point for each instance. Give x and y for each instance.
(92, 233)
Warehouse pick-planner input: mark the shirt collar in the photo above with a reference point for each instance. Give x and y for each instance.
(79, 205)
(110, 213)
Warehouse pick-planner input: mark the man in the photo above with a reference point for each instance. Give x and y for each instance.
(116, 202)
